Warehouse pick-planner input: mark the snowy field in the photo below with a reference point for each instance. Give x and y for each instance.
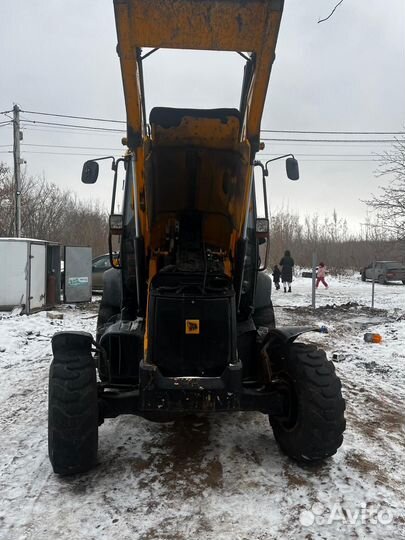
(221, 477)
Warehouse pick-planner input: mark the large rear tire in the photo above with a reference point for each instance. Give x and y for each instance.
(73, 404)
(314, 428)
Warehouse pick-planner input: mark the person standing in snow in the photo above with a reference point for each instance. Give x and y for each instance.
(286, 263)
(276, 276)
(320, 275)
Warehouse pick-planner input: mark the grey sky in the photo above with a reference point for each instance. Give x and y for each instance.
(345, 74)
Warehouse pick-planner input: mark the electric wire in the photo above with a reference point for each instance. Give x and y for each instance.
(60, 153)
(73, 117)
(71, 147)
(71, 131)
(77, 126)
(354, 141)
(306, 132)
(80, 129)
(264, 130)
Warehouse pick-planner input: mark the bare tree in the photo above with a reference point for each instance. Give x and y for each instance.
(331, 239)
(389, 205)
(50, 213)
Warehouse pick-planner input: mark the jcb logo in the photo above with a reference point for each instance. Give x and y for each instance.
(192, 326)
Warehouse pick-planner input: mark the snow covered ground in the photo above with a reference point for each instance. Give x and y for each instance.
(221, 477)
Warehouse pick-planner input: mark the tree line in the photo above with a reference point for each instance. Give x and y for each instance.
(331, 240)
(51, 213)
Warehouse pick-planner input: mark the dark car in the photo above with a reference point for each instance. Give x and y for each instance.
(99, 266)
(384, 271)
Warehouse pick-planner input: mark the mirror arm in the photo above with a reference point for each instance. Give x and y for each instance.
(113, 165)
(115, 169)
(266, 207)
(275, 159)
(265, 173)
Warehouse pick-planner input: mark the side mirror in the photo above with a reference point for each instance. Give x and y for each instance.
(90, 172)
(262, 227)
(116, 224)
(292, 169)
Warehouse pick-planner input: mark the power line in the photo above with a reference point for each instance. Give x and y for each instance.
(306, 132)
(92, 128)
(324, 155)
(58, 153)
(72, 147)
(305, 158)
(75, 117)
(122, 148)
(102, 129)
(75, 132)
(287, 131)
(343, 160)
(368, 141)
(305, 143)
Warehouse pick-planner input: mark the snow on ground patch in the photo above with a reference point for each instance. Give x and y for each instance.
(220, 477)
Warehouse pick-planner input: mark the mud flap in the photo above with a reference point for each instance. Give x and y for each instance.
(287, 334)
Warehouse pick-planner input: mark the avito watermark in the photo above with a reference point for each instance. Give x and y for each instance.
(363, 513)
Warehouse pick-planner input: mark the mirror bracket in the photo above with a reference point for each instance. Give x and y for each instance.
(291, 166)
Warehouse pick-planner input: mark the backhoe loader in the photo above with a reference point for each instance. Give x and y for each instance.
(186, 324)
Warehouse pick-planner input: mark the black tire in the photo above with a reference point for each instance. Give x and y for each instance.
(314, 429)
(363, 276)
(403, 282)
(381, 280)
(73, 405)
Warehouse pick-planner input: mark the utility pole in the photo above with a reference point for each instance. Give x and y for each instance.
(17, 168)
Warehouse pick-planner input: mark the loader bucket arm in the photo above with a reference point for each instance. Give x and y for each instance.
(249, 26)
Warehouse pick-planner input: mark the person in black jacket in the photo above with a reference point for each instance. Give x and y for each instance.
(286, 263)
(276, 276)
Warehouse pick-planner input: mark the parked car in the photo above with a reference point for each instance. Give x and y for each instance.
(384, 271)
(99, 265)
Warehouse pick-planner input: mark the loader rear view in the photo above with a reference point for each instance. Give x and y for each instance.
(186, 323)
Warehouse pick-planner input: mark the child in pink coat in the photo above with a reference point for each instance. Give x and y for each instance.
(320, 275)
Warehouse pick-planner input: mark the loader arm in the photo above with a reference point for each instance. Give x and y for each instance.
(249, 26)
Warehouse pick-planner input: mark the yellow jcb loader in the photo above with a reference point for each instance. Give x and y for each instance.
(186, 323)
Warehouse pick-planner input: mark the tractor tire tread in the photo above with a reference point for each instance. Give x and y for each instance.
(73, 413)
(320, 423)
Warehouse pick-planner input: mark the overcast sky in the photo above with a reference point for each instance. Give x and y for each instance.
(345, 74)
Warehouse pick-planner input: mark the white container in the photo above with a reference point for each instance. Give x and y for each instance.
(24, 270)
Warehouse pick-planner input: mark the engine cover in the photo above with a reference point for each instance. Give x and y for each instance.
(191, 330)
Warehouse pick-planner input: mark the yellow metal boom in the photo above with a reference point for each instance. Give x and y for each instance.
(249, 26)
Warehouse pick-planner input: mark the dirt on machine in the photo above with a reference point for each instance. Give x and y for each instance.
(186, 323)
